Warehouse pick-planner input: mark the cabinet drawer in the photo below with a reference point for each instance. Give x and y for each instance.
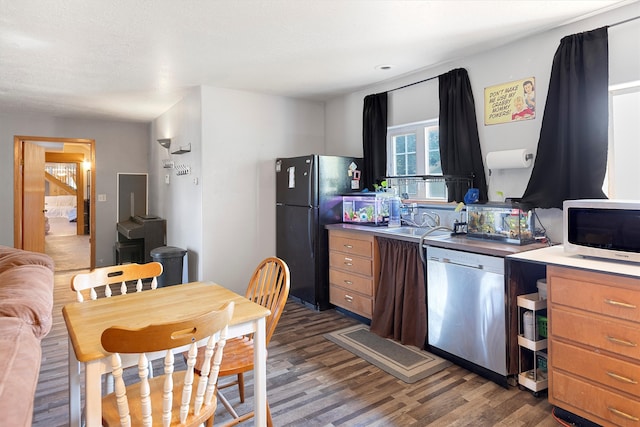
(350, 245)
(593, 400)
(616, 337)
(603, 369)
(351, 282)
(353, 264)
(612, 301)
(351, 301)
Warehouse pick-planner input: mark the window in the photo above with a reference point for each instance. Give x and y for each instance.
(405, 154)
(624, 152)
(413, 149)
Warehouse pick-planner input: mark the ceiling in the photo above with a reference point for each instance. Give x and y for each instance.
(134, 59)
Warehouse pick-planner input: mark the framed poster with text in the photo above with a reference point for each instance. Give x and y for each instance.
(510, 102)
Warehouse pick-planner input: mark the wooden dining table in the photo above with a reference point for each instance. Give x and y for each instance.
(87, 320)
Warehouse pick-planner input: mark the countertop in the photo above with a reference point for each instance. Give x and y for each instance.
(440, 238)
(555, 255)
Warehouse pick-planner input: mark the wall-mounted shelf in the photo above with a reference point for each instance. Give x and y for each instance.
(183, 149)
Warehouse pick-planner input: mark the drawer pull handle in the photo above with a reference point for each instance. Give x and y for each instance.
(621, 378)
(621, 342)
(348, 246)
(348, 298)
(623, 414)
(348, 261)
(619, 304)
(348, 282)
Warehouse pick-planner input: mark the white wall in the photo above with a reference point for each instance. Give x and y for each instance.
(120, 147)
(519, 59)
(227, 220)
(179, 201)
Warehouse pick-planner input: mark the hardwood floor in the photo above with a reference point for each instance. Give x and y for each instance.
(313, 382)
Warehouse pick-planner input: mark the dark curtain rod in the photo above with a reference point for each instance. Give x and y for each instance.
(414, 83)
(435, 77)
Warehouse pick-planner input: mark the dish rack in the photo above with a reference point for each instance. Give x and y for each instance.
(420, 186)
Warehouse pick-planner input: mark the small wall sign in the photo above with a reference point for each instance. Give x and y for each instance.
(510, 102)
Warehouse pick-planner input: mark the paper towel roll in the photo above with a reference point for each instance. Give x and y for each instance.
(509, 159)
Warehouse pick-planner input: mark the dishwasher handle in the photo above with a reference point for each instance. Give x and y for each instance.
(457, 262)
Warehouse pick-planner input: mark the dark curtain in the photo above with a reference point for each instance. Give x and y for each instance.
(374, 139)
(571, 158)
(400, 310)
(459, 142)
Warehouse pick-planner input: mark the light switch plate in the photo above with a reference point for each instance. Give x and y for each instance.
(102, 197)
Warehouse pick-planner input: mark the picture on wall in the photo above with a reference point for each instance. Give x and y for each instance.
(510, 102)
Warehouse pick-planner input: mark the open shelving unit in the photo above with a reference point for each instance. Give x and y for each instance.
(533, 375)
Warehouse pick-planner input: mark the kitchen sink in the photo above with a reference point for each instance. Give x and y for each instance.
(415, 231)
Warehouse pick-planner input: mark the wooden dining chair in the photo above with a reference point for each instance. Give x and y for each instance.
(176, 398)
(269, 287)
(103, 278)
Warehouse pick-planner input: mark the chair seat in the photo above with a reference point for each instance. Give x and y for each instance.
(238, 357)
(110, 417)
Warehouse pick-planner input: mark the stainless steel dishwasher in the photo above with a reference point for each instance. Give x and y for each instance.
(466, 308)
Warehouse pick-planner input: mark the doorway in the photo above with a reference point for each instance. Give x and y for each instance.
(54, 199)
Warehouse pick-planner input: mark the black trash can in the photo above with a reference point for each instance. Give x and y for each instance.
(171, 259)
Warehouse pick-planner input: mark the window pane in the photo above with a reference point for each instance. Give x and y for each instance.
(399, 144)
(401, 165)
(433, 139)
(435, 167)
(412, 168)
(411, 143)
(437, 189)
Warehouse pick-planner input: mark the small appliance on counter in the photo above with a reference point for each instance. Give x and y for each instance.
(602, 228)
(367, 208)
(502, 222)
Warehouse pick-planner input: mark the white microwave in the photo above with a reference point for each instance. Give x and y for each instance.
(602, 228)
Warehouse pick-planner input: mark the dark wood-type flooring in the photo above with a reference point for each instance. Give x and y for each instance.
(313, 382)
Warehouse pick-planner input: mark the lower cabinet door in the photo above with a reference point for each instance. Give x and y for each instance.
(586, 398)
(363, 285)
(351, 301)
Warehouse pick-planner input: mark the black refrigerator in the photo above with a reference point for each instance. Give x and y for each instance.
(309, 193)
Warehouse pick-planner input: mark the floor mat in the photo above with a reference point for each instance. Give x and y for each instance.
(407, 363)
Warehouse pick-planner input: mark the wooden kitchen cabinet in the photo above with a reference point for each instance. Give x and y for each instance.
(354, 267)
(594, 345)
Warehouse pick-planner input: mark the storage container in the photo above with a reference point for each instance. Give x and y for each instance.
(527, 324)
(541, 362)
(503, 222)
(366, 208)
(542, 326)
(542, 288)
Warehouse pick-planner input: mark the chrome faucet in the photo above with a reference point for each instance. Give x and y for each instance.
(432, 216)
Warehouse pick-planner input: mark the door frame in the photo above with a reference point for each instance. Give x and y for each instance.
(18, 188)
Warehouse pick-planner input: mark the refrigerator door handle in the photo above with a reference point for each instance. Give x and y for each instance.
(310, 183)
(310, 236)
